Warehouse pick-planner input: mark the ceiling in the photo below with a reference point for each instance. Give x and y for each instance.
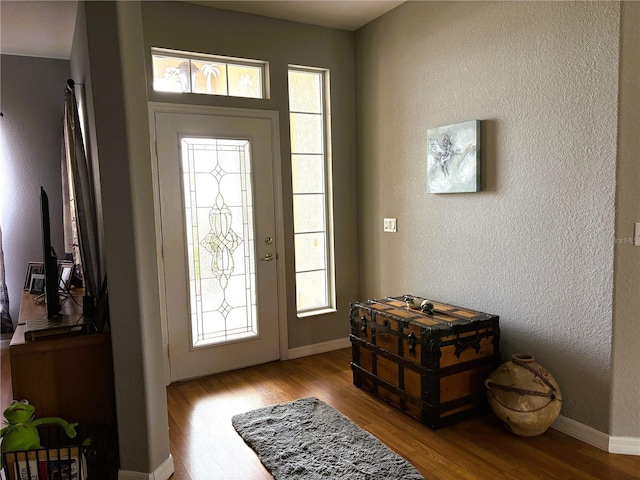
(37, 29)
(45, 28)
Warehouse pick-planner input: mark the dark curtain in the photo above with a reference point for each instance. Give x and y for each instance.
(6, 325)
(79, 200)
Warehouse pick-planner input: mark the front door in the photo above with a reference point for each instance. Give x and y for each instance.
(215, 184)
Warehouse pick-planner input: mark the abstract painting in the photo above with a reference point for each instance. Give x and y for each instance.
(453, 158)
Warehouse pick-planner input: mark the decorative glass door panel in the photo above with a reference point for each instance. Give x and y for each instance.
(218, 203)
(219, 268)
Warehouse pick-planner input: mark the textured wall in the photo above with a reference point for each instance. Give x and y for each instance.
(31, 133)
(535, 246)
(116, 110)
(625, 420)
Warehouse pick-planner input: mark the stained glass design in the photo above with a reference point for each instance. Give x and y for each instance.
(217, 185)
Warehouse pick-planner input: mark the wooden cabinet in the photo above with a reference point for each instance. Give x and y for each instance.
(68, 376)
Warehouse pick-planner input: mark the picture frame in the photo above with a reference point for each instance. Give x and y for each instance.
(36, 287)
(32, 268)
(453, 158)
(65, 272)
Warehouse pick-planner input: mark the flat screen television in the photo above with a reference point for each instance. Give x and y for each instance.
(50, 261)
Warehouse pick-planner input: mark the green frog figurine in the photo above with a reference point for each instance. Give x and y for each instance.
(21, 432)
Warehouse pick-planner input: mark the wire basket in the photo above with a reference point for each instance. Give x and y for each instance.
(83, 457)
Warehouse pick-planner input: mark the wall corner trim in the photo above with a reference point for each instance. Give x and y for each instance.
(163, 472)
(624, 445)
(603, 441)
(319, 348)
(582, 432)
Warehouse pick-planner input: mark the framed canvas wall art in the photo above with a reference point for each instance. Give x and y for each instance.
(453, 158)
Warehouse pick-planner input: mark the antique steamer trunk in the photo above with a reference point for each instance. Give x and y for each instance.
(430, 364)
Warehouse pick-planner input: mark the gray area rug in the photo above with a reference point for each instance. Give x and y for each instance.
(308, 439)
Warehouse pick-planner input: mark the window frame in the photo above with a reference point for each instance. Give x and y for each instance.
(330, 276)
(221, 59)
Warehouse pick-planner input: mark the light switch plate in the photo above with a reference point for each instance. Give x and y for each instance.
(636, 236)
(390, 225)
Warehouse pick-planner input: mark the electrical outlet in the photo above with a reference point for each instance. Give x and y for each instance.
(390, 225)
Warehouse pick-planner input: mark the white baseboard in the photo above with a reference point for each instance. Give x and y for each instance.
(624, 445)
(582, 432)
(319, 348)
(603, 441)
(163, 472)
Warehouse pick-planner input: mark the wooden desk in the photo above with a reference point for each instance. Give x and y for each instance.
(68, 376)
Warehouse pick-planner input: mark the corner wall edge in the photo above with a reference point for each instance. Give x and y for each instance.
(163, 472)
(601, 440)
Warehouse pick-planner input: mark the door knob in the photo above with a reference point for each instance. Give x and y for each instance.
(267, 258)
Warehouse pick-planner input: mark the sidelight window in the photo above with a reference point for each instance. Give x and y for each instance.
(311, 182)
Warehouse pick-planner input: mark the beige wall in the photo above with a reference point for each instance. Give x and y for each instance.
(120, 148)
(116, 106)
(548, 98)
(625, 420)
(200, 29)
(536, 245)
(32, 92)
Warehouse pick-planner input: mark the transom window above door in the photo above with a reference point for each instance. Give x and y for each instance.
(185, 72)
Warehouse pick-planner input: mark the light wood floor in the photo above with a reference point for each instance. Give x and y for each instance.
(205, 446)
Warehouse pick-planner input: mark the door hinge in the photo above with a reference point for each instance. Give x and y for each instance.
(169, 350)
